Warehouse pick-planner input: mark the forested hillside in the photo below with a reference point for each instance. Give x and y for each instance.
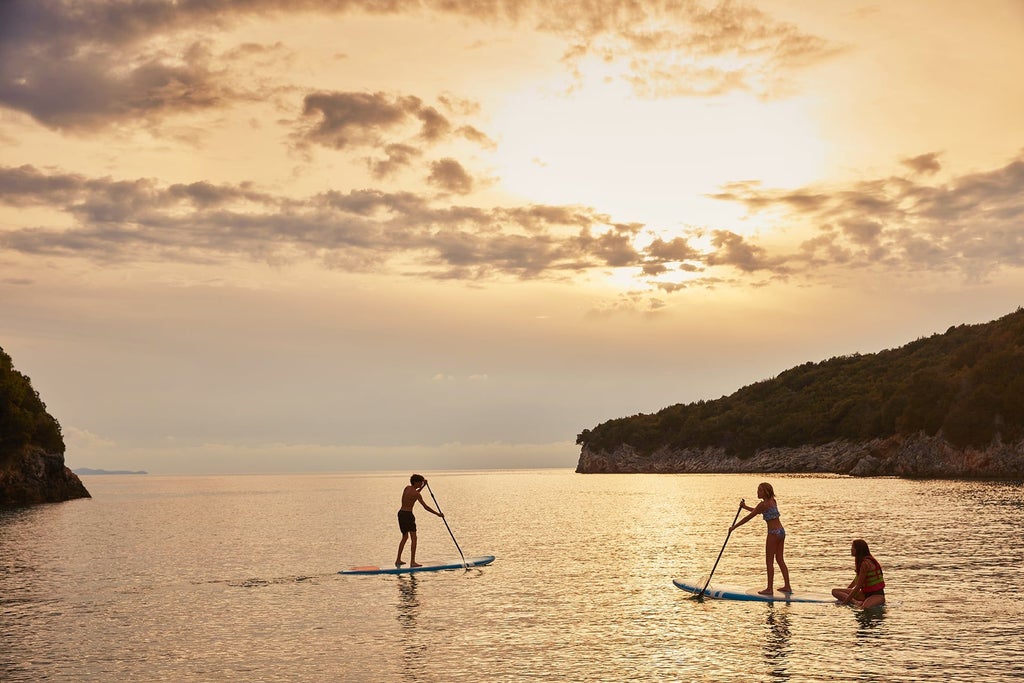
(966, 385)
(32, 468)
(23, 416)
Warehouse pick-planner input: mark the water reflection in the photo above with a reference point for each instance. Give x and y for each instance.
(776, 644)
(137, 581)
(11, 515)
(869, 620)
(408, 602)
(414, 648)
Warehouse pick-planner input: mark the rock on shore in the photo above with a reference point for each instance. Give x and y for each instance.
(33, 476)
(902, 456)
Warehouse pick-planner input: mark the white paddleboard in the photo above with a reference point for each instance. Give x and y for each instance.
(726, 592)
(426, 567)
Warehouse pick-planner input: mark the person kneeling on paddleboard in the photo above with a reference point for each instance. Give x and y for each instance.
(407, 520)
(867, 588)
(775, 543)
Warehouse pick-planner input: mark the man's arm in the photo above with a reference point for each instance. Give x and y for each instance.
(419, 497)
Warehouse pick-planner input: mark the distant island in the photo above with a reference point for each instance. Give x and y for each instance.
(947, 406)
(32, 468)
(88, 470)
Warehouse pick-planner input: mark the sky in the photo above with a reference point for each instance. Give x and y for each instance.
(330, 235)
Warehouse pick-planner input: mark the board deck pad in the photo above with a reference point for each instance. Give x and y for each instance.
(727, 592)
(427, 566)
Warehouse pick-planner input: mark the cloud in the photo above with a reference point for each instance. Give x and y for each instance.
(120, 61)
(399, 156)
(676, 249)
(924, 163)
(85, 444)
(142, 220)
(449, 175)
(971, 224)
(733, 250)
(62, 89)
(684, 49)
(342, 119)
(400, 125)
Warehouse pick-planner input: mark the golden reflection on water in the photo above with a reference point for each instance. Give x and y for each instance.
(415, 648)
(869, 620)
(776, 648)
(170, 579)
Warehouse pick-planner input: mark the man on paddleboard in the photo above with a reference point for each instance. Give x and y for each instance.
(407, 520)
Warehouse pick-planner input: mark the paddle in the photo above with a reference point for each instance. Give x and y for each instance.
(738, 510)
(447, 527)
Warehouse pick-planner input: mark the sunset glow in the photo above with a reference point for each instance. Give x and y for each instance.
(255, 227)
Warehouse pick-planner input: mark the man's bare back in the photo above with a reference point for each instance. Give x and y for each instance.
(410, 495)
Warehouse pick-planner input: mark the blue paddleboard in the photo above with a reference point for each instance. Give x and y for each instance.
(724, 592)
(427, 566)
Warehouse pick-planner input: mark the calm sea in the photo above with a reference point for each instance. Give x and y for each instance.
(234, 578)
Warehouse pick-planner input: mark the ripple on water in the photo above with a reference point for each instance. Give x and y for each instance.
(235, 578)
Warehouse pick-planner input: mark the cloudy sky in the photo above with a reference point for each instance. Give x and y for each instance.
(422, 234)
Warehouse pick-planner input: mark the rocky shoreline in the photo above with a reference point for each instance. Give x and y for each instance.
(919, 457)
(33, 476)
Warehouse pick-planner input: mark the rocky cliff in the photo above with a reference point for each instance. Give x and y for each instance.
(32, 466)
(918, 456)
(34, 476)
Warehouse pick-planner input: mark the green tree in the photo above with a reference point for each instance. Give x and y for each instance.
(967, 383)
(23, 416)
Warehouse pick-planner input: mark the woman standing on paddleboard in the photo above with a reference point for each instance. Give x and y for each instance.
(867, 588)
(775, 543)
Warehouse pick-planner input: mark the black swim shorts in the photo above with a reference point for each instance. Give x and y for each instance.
(406, 521)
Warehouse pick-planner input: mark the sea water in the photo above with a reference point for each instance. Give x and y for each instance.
(235, 578)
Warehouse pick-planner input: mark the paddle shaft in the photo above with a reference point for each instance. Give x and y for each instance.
(446, 525)
(738, 510)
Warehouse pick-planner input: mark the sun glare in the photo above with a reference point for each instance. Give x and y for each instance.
(646, 160)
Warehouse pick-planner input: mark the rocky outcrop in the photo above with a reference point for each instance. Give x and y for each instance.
(916, 456)
(32, 466)
(33, 476)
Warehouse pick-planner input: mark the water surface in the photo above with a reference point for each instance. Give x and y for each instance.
(232, 578)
